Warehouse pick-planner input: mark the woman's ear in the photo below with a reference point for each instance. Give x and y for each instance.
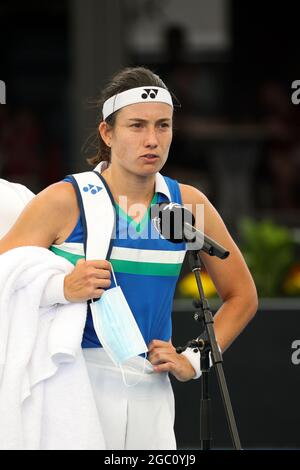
(105, 131)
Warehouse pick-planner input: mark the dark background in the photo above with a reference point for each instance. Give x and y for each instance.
(55, 57)
(263, 384)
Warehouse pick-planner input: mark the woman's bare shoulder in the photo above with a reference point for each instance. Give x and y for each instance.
(196, 201)
(192, 195)
(60, 194)
(60, 200)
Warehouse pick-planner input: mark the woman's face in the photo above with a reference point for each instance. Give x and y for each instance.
(141, 137)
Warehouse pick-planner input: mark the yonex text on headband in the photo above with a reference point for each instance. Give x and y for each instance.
(136, 95)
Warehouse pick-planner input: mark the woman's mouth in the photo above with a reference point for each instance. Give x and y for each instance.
(150, 157)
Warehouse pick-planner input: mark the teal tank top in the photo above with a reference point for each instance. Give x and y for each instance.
(146, 267)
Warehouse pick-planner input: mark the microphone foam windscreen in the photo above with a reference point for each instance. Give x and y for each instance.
(170, 219)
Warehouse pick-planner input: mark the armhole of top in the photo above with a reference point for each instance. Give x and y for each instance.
(81, 209)
(174, 189)
(113, 204)
(81, 218)
(179, 193)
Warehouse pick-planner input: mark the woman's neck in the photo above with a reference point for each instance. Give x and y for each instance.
(135, 188)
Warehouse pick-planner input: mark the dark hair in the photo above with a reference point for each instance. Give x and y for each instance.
(130, 77)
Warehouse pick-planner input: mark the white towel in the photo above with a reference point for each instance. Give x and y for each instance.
(18, 196)
(46, 400)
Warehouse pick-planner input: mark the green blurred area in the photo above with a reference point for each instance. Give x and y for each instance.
(270, 253)
(272, 256)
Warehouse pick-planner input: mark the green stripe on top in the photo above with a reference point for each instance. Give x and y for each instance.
(139, 226)
(126, 266)
(148, 269)
(65, 254)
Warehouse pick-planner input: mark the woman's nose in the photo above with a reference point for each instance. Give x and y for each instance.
(151, 138)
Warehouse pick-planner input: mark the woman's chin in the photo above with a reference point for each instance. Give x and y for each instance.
(150, 167)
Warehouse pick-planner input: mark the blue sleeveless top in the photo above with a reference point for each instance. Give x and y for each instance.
(146, 267)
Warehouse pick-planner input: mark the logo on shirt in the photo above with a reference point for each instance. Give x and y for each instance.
(92, 188)
(149, 93)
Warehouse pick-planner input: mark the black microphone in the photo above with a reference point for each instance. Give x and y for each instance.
(176, 224)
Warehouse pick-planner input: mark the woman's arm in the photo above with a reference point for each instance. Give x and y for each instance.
(231, 276)
(233, 282)
(49, 218)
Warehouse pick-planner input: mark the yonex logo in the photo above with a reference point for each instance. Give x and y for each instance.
(92, 188)
(149, 93)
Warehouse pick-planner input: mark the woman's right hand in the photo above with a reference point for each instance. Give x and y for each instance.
(87, 280)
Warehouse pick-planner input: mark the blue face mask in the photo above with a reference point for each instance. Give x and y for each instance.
(116, 327)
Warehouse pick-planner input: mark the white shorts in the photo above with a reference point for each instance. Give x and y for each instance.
(136, 417)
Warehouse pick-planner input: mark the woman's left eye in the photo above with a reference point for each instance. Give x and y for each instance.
(139, 125)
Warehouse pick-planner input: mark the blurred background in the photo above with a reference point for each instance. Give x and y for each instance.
(231, 65)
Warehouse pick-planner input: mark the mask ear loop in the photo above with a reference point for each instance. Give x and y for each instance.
(120, 365)
(113, 273)
(139, 379)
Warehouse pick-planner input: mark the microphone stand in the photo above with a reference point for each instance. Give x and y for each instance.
(209, 347)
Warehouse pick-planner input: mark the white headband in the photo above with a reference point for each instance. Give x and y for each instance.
(136, 95)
